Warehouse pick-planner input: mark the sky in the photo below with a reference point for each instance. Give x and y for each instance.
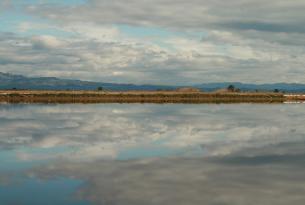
(170, 42)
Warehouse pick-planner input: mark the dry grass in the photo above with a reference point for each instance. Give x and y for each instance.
(31, 96)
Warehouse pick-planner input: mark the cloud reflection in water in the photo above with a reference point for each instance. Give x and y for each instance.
(164, 154)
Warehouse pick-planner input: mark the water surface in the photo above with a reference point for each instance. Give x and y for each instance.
(112, 154)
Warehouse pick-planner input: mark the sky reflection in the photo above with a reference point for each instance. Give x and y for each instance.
(158, 154)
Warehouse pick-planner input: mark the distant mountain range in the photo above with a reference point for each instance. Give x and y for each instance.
(11, 81)
(286, 87)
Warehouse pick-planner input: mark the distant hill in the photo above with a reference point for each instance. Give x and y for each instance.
(11, 81)
(286, 87)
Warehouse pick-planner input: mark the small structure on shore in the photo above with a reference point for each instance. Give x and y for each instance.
(222, 90)
(229, 89)
(189, 90)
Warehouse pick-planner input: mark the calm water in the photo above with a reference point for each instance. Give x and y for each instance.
(152, 154)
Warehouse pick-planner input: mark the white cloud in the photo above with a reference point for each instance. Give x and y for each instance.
(46, 42)
(256, 15)
(226, 149)
(247, 41)
(104, 132)
(93, 31)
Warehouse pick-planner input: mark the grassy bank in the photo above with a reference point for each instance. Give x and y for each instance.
(136, 97)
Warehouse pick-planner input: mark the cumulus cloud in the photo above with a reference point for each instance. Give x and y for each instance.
(108, 132)
(214, 154)
(238, 14)
(185, 181)
(248, 41)
(46, 42)
(187, 62)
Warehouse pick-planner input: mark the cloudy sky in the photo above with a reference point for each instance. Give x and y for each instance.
(155, 41)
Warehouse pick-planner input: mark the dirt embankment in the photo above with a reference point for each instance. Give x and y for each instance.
(295, 97)
(136, 97)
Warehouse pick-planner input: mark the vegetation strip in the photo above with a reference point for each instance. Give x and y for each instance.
(136, 97)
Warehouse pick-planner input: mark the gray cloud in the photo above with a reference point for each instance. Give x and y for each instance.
(105, 132)
(5, 4)
(115, 61)
(184, 181)
(214, 154)
(248, 41)
(196, 14)
(262, 26)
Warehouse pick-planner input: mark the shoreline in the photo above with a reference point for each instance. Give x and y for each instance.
(162, 97)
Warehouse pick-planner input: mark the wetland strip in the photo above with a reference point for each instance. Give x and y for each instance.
(137, 97)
